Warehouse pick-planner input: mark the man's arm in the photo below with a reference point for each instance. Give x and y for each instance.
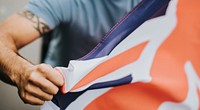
(35, 83)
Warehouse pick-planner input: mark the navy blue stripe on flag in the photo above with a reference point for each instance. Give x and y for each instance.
(121, 81)
(144, 11)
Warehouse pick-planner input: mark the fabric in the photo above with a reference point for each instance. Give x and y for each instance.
(78, 25)
(156, 67)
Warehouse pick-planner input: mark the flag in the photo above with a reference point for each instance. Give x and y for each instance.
(150, 60)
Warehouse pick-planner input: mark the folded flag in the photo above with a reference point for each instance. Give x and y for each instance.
(150, 60)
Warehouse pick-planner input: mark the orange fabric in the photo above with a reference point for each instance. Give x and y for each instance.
(169, 81)
(112, 65)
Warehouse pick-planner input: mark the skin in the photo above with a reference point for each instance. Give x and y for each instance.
(35, 83)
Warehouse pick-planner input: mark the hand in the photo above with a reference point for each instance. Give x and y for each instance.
(39, 84)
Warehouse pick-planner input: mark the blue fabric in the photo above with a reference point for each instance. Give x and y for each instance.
(125, 80)
(128, 24)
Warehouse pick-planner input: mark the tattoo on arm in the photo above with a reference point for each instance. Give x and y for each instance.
(39, 25)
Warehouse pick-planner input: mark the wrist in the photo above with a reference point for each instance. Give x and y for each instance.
(20, 71)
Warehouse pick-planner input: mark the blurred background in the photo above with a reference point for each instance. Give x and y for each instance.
(9, 99)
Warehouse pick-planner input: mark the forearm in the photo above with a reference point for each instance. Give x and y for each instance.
(35, 83)
(11, 64)
(16, 32)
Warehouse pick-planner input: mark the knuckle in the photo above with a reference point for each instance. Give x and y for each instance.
(24, 98)
(50, 97)
(27, 87)
(33, 76)
(41, 67)
(46, 87)
(55, 91)
(44, 69)
(36, 81)
(30, 73)
(41, 103)
(22, 95)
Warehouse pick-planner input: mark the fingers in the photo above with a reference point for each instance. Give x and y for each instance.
(39, 84)
(37, 92)
(51, 74)
(44, 84)
(30, 99)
